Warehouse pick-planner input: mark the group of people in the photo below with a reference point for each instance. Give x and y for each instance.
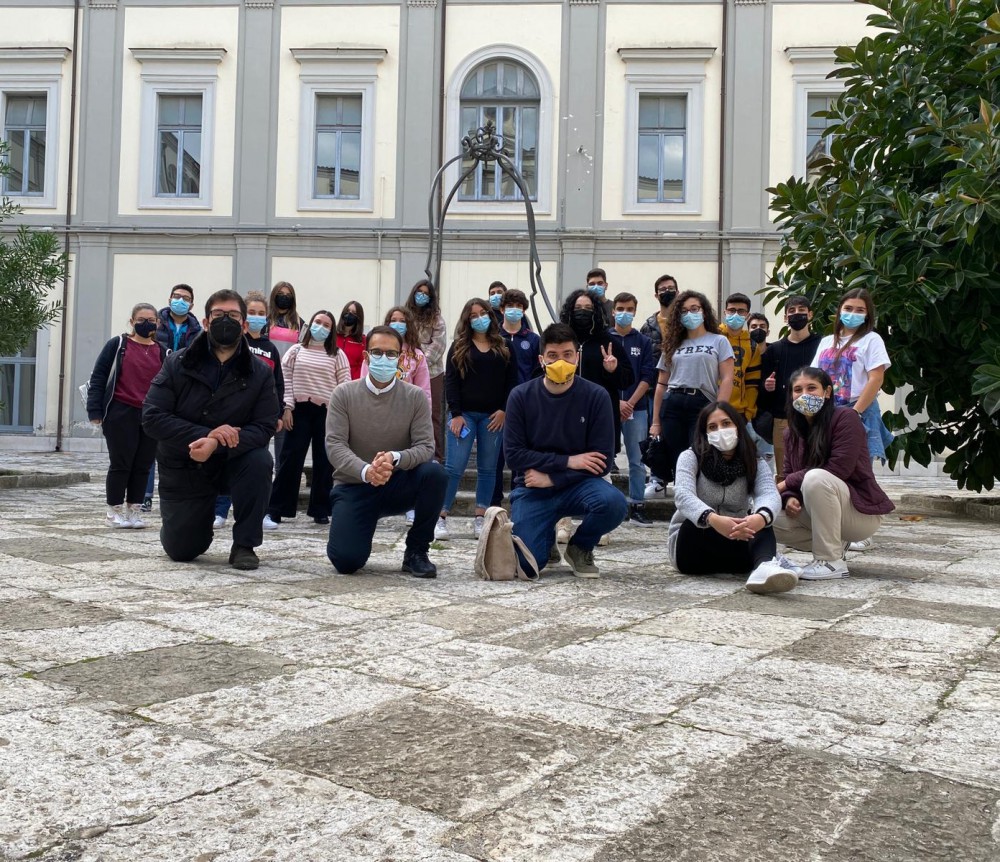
(392, 414)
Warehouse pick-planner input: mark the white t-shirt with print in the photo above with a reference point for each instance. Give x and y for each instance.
(696, 363)
(849, 371)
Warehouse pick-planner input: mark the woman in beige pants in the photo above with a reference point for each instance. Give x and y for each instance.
(829, 496)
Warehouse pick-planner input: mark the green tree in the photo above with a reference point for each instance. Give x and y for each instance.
(30, 267)
(908, 205)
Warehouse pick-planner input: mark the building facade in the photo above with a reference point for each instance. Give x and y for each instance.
(236, 144)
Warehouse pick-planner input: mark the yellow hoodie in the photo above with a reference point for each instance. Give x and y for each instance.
(746, 378)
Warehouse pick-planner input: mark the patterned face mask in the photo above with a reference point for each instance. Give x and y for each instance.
(809, 405)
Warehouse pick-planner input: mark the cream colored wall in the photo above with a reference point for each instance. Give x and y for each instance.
(536, 29)
(180, 27)
(638, 277)
(803, 25)
(330, 283)
(309, 27)
(30, 27)
(658, 25)
(48, 354)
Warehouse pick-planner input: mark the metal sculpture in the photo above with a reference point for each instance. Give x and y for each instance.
(484, 147)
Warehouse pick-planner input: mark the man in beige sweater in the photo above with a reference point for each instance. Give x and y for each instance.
(380, 442)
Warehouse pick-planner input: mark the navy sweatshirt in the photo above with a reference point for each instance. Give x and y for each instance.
(542, 430)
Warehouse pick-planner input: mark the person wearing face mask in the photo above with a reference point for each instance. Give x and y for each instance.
(122, 374)
(781, 358)
(412, 363)
(212, 410)
(177, 326)
(381, 447)
(284, 325)
(726, 504)
(351, 336)
(422, 303)
(559, 441)
(312, 370)
(830, 496)
(495, 295)
(597, 288)
(480, 373)
(655, 329)
(746, 355)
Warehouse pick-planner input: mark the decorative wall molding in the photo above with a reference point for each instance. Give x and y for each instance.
(103, 4)
(258, 4)
(56, 53)
(430, 4)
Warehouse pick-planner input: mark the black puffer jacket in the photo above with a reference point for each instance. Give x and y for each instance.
(186, 401)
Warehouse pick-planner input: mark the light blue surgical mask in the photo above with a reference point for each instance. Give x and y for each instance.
(481, 324)
(735, 321)
(624, 318)
(319, 332)
(383, 368)
(597, 290)
(496, 299)
(692, 319)
(421, 299)
(399, 326)
(513, 315)
(256, 322)
(180, 306)
(852, 320)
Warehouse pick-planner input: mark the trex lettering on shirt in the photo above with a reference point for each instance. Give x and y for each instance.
(700, 348)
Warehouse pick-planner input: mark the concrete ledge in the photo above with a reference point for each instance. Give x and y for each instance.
(978, 508)
(11, 479)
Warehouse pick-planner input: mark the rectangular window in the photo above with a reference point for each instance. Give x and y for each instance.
(178, 136)
(24, 132)
(518, 125)
(816, 143)
(337, 172)
(662, 148)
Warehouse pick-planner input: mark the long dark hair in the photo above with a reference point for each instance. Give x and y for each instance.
(411, 340)
(815, 434)
(861, 331)
(462, 346)
(746, 449)
(676, 331)
(291, 314)
(356, 332)
(330, 344)
(423, 315)
(601, 322)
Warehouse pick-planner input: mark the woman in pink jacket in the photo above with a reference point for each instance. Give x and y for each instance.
(412, 363)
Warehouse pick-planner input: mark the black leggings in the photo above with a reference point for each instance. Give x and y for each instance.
(678, 417)
(308, 429)
(705, 552)
(131, 452)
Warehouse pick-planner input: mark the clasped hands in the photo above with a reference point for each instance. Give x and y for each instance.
(588, 462)
(380, 470)
(737, 529)
(204, 447)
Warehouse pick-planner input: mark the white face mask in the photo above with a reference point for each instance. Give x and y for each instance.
(724, 439)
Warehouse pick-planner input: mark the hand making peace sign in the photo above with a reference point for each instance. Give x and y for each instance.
(610, 360)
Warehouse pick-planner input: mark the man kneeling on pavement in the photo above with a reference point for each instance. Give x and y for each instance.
(559, 440)
(380, 441)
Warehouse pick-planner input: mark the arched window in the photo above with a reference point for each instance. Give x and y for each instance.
(505, 93)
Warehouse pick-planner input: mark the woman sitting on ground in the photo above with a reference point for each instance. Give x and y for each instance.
(726, 502)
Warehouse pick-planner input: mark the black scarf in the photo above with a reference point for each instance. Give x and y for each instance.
(720, 470)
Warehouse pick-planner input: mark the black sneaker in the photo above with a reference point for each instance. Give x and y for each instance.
(637, 515)
(418, 565)
(322, 520)
(147, 504)
(243, 558)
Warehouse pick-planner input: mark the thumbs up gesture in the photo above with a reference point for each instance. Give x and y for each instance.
(769, 383)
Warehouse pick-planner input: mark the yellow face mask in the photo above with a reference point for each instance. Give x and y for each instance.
(560, 371)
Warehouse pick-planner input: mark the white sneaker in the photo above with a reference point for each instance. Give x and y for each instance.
(824, 570)
(654, 490)
(564, 529)
(269, 524)
(604, 541)
(410, 517)
(477, 527)
(219, 522)
(134, 517)
(788, 565)
(116, 517)
(771, 577)
(441, 529)
(863, 545)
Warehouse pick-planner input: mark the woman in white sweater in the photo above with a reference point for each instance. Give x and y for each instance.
(726, 502)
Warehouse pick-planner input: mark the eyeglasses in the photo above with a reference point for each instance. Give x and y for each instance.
(145, 320)
(218, 314)
(378, 353)
(692, 308)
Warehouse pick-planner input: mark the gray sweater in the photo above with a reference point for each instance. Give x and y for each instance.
(694, 493)
(360, 424)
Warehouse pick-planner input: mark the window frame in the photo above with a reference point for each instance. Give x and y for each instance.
(810, 67)
(337, 72)
(666, 72)
(176, 72)
(182, 131)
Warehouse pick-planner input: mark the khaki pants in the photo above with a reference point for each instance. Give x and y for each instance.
(827, 520)
(779, 448)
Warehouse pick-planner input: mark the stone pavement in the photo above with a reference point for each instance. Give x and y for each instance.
(160, 711)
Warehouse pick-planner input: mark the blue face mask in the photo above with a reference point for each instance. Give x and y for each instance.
(421, 299)
(382, 368)
(481, 324)
(624, 318)
(735, 321)
(852, 320)
(319, 332)
(256, 322)
(399, 326)
(180, 306)
(496, 299)
(692, 319)
(597, 290)
(513, 315)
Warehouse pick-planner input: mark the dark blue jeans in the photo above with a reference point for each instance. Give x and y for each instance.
(535, 512)
(356, 509)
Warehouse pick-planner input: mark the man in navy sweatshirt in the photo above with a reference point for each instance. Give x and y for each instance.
(559, 440)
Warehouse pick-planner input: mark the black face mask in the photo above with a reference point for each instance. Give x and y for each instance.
(350, 320)
(582, 320)
(144, 328)
(666, 297)
(758, 336)
(284, 301)
(798, 322)
(225, 331)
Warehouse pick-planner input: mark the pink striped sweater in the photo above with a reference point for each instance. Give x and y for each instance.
(312, 375)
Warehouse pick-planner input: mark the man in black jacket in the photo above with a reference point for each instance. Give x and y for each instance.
(212, 409)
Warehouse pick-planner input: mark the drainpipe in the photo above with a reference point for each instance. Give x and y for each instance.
(63, 334)
(722, 146)
(442, 99)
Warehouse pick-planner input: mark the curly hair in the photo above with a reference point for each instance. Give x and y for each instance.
(601, 322)
(411, 341)
(426, 313)
(676, 331)
(462, 345)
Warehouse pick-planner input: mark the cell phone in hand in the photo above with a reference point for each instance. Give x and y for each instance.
(464, 432)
